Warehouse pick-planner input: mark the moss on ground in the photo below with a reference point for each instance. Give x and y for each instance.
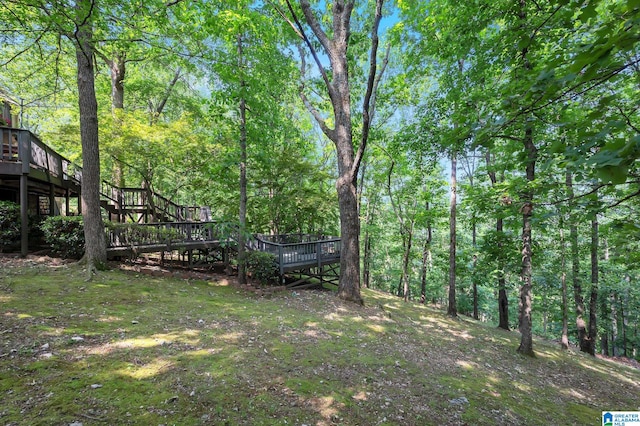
(128, 348)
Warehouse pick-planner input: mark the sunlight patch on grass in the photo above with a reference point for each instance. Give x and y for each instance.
(465, 365)
(108, 318)
(146, 371)
(573, 393)
(377, 328)
(617, 373)
(324, 405)
(5, 299)
(522, 386)
(232, 337)
(24, 316)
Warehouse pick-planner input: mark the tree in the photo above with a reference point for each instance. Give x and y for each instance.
(335, 45)
(95, 246)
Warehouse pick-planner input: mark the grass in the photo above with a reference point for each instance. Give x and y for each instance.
(128, 348)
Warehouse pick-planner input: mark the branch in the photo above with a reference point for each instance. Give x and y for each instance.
(307, 103)
(172, 84)
(628, 120)
(314, 24)
(323, 72)
(368, 104)
(622, 200)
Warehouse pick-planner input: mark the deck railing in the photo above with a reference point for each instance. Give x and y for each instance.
(166, 233)
(22, 146)
(301, 249)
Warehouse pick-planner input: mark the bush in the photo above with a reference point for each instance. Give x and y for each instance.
(65, 235)
(9, 224)
(263, 267)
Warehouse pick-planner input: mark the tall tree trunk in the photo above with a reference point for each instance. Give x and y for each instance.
(405, 264)
(613, 300)
(473, 269)
(452, 309)
(581, 325)
(242, 215)
(348, 159)
(117, 68)
(531, 152)
(526, 296)
(426, 260)
(503, 299)
(95, 244)
(564, 338)
(366, 261)
(593, 298)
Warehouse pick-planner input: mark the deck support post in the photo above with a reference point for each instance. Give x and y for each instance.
(24, 215)
(67, 209)
(24, 154)
(52, 200)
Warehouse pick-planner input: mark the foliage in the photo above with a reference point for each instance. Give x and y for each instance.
(263, 267)
(65, 235)
(9, 223)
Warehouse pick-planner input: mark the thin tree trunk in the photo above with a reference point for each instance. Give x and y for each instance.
(426, 261)
(613, 312)
(503, 299)
(366, 261)
(581, 325)
(564, 338)
(405, 264)
(473, 269)
(117, 67)
(242, 216)
(452, 309)
(593, 299)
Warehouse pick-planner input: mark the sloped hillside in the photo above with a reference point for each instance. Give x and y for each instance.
(129, 348)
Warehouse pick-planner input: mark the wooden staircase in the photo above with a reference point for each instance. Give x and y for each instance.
(143, 205)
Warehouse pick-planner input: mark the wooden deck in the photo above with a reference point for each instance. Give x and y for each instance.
(24, 154)
(30, 169)
(293, 252)
(299, 251)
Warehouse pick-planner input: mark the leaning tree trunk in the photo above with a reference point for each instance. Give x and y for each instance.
(95, 244)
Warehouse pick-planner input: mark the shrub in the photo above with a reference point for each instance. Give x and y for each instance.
(65, 235)
(263, 267)
(9, 224)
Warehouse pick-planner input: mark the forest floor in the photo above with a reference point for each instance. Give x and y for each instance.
(160, 348)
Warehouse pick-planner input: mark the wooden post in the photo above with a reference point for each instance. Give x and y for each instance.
(24, 154)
